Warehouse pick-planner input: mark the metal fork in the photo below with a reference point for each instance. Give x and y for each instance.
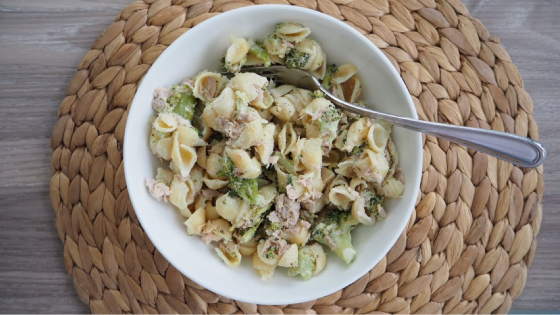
(509, 147)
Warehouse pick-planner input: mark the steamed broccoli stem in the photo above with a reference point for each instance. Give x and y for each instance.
(306, 264)
(335, 233)
(296, 59)
(257, 50)
(248, 189)
(344, 248)
(197, 117)
(183, 104)
(328, 75)
(286, 164)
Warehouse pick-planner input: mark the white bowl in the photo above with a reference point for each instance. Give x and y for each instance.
(201, 48)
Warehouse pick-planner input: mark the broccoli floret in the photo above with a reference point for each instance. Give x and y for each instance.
(358, 150)
(259, 215)
(334, 232)
(271, 252)
(271, 227)
(328, 123)
(333, 114)
(232, 194)
(228, 67)
(248, 189)
(229, 167)
(328, 75)
(331, 117)
(373, 202)
(181, 87)
(317, 94)
(296, 59)
(341, 218)
(279, 25)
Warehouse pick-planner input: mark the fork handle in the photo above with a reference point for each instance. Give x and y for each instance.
(512, 148)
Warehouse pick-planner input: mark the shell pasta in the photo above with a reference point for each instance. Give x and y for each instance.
(272, 171)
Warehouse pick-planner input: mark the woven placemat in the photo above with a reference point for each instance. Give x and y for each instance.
(466, 248)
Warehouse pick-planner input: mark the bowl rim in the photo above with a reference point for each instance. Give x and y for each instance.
(216, 288)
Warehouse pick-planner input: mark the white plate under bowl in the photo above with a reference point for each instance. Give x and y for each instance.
(201, 48)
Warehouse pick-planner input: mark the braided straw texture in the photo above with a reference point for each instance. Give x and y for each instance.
(467, 246)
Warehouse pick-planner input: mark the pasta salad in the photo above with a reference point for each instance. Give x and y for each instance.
(273, 172)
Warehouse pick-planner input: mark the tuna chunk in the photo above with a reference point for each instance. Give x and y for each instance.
(230, 128)
(209, 88)
(159, 104)
(158, 190)
(163, 93)
(287, 211)
(291, 192)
